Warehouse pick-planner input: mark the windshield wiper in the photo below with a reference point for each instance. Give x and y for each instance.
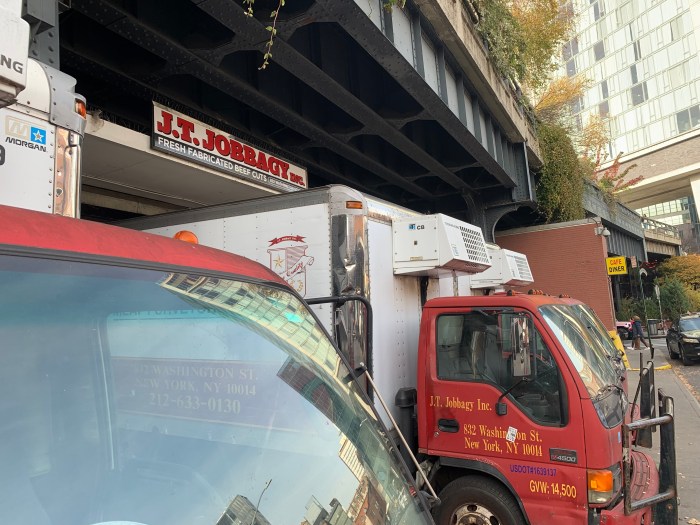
(608, 388)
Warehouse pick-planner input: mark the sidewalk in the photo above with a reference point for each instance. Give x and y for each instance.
(687, 425)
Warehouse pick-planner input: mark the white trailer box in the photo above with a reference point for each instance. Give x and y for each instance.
(41, 136)
(334, 241)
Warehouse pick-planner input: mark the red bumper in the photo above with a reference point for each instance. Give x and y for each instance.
(644, 483)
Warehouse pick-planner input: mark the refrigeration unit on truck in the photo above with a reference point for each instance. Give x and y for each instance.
(148, 381)
(42, 123)
(508, 269)
(518, 401)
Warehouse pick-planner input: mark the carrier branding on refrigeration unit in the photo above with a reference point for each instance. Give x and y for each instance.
(183, 136)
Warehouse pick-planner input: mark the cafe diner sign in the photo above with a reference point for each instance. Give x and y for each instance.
(177, 134)
(616, 265)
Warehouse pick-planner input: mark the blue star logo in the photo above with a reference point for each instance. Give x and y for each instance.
(38, 135)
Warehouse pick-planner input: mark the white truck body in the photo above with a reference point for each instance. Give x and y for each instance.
(41, 127)
(325, 248)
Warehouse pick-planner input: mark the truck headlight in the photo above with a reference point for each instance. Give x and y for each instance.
(604, 484)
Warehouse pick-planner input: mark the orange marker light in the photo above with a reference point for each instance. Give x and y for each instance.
(600, 480)
(187, 236)
(353, 205)
(80, 108)
(601, 486)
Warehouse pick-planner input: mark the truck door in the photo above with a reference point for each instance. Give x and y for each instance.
(496, 394)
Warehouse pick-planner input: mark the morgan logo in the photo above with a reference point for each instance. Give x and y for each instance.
(289, 260)
(23, 133)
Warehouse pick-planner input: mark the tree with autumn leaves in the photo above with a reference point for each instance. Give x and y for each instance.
(593, 145)
(682, 275)
(530, 34)
(685, 268)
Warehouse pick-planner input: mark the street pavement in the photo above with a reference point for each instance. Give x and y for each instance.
(672, 377)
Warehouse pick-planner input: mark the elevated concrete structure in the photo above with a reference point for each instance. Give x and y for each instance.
(670, 170)
(401, 104)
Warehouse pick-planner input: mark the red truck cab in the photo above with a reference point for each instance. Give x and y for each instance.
(521, 413)
(148, 381)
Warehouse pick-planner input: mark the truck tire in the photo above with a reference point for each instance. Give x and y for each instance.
(477, 500)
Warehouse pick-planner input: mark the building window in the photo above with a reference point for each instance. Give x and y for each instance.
(677, 75)
(633, 74)
(570, 49)
(688, 118)
(577, 105)
(683, 120)
(676, 28)
(637, 50)
(603, 109)
(604, 89)
(601, 29)
(624, 14)
(571, 67)
(599, 50)
(695, 116)
(639, 93)
(598, 9)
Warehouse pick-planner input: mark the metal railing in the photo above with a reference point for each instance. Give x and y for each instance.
(660, 228)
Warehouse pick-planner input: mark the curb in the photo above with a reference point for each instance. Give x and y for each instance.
(662, 367)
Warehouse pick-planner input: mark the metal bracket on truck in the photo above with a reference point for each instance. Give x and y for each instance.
(434, 500)
(665, 501)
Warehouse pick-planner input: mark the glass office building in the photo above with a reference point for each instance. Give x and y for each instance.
(641, 57)
(641, 60)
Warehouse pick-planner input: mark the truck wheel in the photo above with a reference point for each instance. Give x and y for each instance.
(479, 501)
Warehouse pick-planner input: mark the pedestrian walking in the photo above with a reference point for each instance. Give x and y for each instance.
(637, 333)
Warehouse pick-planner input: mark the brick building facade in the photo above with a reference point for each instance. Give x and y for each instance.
(566, 258)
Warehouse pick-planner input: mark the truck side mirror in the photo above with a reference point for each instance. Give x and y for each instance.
(520, 330)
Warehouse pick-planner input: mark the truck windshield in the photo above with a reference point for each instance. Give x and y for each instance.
(585, 343)
(135, 396)
(596, 329)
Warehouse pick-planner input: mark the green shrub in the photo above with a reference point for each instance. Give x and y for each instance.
(674, 299)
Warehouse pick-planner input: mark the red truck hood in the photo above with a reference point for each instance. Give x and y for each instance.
(31, 229)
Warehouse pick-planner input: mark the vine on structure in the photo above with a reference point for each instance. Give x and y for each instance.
(272, 28)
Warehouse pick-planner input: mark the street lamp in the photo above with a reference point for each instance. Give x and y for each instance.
(255, 514)
(602, 231)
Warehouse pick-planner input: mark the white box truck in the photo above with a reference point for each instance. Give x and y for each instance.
(42, 123)
(334, 242)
